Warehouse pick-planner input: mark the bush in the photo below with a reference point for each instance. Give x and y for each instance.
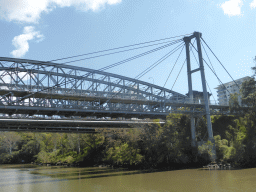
(7, 158)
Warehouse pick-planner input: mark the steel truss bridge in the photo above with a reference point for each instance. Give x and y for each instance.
(45, 88)
(38, 89)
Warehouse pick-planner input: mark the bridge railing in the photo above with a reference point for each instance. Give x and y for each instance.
(201, 101)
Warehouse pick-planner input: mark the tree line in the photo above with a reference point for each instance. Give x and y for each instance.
(146, 146)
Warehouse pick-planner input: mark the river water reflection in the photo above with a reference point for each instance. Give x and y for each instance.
(26, 178)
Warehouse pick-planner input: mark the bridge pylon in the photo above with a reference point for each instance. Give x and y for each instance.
(187, 41)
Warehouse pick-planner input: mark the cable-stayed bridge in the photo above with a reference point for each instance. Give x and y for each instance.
(39, 89)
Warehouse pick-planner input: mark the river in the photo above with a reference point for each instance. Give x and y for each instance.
(28, 178)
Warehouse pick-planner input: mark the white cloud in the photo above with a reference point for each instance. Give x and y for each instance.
(21, 41)
(232, 7)
(253, 4)
(29, 11)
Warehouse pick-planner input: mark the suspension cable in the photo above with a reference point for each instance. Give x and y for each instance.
(158, 62)
(208, 57)
(117, 52)
(180, 71)
(205, 79)
(173, 66)
(220, 63)
(148, 69)
(212, 70)
(119, 47)
(178, 74)
(137, 56)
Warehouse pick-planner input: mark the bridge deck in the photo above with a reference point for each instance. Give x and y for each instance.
(69, 126)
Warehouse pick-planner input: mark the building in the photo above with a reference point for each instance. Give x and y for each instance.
(224, 91)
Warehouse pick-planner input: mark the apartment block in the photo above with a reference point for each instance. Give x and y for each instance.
(224, 91)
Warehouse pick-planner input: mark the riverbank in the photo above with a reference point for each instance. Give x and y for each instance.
(211, 166)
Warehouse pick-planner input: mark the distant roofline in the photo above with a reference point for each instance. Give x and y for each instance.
(219, 86)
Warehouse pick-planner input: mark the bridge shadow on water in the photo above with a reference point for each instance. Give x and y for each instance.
(97, 172)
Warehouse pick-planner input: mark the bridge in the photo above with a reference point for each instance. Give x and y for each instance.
(39, 89)
(46, 88)
(67, 125)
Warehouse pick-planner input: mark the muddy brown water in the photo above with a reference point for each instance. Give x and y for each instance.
(26, 178)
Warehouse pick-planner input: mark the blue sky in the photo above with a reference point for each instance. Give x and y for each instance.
(52, 29)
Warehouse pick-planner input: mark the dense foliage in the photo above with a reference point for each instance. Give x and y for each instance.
(150, 146)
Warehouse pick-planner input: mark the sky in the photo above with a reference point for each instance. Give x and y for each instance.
(47, 30)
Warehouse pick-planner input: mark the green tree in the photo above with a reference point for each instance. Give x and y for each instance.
(205, 150)
(224, 151)
(236, 136)
(93, 148)
(248, 94)
(234, 103)
(9, 140)
(124, 154)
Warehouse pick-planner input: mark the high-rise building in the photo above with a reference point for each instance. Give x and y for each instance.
(224, 91)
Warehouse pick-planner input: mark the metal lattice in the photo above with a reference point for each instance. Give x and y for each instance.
(46, 88)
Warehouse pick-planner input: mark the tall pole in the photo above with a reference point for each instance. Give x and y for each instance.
(198, 35)
(190, 91)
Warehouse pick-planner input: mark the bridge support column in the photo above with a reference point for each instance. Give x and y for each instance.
(198, 35)
(187, 40)
(190, 91)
